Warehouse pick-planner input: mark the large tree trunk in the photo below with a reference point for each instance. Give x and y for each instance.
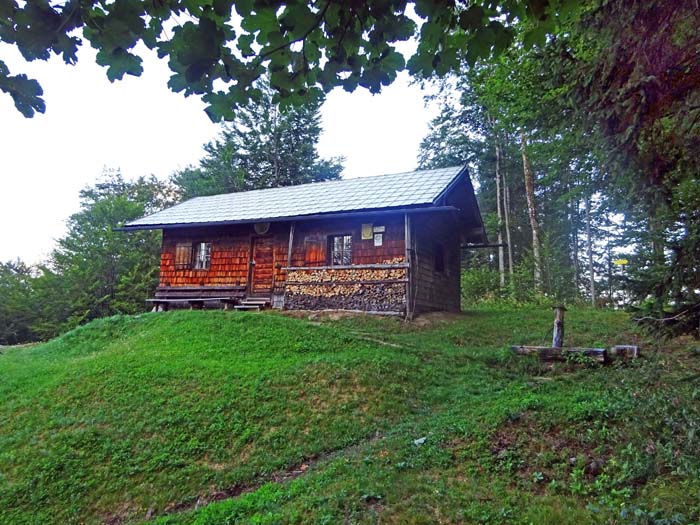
(532, 212)
(574, 222)
(499, 212)
(589, 235)
(611, 290)
(574, 243)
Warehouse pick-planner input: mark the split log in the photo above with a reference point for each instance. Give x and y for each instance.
(547, 353)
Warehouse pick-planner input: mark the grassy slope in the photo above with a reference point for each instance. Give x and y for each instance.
(132, 417)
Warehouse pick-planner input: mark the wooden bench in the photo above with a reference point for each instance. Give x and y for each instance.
(196, 296)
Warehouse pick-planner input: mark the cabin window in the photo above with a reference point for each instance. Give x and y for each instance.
(183, 256)
(340, 250)
(202, 255)
(192, 256)
(439, 251)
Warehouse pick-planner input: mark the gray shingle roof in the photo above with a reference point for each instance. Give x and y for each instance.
(399, 190)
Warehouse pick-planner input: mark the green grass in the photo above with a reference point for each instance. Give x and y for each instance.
(361, 419)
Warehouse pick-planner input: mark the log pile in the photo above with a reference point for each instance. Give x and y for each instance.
(371, 289)
(336, 275)
(384, 297)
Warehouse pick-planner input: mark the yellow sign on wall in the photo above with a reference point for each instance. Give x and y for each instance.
(367, 232)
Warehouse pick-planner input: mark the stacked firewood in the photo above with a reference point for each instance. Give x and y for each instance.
(345, 275)
(380, 297)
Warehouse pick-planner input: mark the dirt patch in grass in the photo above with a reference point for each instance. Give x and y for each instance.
(230, 492)
(127, 513)
(431, 319)
(281, 476)
(537, 454)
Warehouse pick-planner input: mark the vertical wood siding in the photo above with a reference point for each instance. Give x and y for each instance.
(433, 290)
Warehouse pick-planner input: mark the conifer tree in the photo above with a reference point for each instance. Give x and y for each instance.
(266, 146)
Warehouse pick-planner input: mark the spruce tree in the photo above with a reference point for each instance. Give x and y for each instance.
(266, 146)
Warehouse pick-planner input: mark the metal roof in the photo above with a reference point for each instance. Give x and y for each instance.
(399, 190)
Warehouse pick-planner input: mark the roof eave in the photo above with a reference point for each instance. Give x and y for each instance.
(421, 208)
(464, 174)
(447, 189)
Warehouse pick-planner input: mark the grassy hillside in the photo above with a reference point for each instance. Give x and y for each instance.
(221, 417)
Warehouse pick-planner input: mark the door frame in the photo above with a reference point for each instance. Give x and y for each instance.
(251, 265)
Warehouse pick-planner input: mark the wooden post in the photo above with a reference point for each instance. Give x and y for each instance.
(409, 260)
(291, 242)
(558, 335)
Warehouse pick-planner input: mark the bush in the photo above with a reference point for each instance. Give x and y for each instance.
(480, 285)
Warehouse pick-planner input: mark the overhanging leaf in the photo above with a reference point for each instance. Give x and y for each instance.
(25, 92)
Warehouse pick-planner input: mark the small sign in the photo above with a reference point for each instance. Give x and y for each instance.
(620, 262)
(378, 238)
(366, 232)
(379, 229)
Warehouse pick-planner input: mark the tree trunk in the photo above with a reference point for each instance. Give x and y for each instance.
(574, 222)
(589, 236)
(532, 212)
(506, 215)
(499, 212)
(574, 243)
(657, 249)
(611, 284)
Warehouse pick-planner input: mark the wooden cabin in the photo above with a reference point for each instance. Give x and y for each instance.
(386, 244)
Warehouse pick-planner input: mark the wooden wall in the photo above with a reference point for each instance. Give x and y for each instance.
(311, 245)
(431, 289)
(231, 246)
(230, 255)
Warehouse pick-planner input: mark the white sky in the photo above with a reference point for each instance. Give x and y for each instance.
(141, 127)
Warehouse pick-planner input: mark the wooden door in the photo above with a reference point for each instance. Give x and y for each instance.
(263, 266)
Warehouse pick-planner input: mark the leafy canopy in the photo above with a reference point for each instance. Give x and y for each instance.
(96, 271)
(16, 312)
(217, 49)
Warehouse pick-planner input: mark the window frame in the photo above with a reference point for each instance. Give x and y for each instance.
(187, 256)
(197, 258)
(183, 256)
(346, 252)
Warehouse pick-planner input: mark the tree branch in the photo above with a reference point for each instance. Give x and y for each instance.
(315, 25)
(667, 319)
